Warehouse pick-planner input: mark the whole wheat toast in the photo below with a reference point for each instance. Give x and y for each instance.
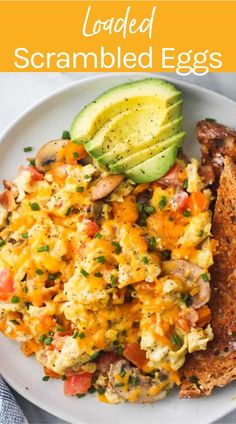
(216, 366)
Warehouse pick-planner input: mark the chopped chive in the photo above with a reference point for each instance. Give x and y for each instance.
(101, 259)
(45, 378)
(133, 380)
(84, 273)
(186, 214)
(201, 233)
(48, 341)
(54, 276)
(28, 149)
(145, 260)
(101, 390)
(81, 335)
(86, 177)
(42, 338)
(176, 340)
(120, 350)
(75, 155)
(14, 321)
(2, 243)
(152, 243)
(65, 135)
(75, 335)
(60, 329)
(15, 299)
(25, 235)
(80, 395)
(80, 189)
(98, 236)
(188, 300)
(44, 248)
(39, 271)
(98, 274)
(185, 184)
(162, 202)
(35, 206)
(118, 384)
(122, 371)
(205, 277)
(117, 247)
(113, 280)
(31, 161)
(25, 289)
(166, 254)
(210, 119)
(150, 209)
(68, 212)
(92, 390)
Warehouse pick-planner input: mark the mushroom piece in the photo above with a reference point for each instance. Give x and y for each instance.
(186, 271)
(48, 154)
(105, 185)
(140, 389)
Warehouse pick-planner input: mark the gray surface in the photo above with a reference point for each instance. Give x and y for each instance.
(19, 91)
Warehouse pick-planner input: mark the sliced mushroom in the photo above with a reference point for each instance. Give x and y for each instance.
(48, 154)
(187, 271)
(7, 200)
(141, 388)
(105, 185)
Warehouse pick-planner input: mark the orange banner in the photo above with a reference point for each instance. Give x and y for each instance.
(192, 37)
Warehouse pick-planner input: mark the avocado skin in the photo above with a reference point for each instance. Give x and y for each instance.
(116, 100)
(138, 157)
(154, 168)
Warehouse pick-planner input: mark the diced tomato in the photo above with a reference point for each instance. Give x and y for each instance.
(35, 174)
(180, 201)
(6, 284)
(172, 177)
(197, 202)
(77, 384)
(135, 354)
(105, 360)
(92, 228)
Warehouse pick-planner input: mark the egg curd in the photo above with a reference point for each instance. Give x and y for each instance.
(111, 294)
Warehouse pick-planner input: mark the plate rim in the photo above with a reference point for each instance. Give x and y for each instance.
(37, 104)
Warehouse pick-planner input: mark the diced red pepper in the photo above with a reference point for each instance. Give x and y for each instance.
(78, 384)
(135, 354)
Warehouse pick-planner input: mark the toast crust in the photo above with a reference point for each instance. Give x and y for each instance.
(216, 367)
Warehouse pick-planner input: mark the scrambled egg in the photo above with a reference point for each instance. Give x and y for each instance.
(82, 279)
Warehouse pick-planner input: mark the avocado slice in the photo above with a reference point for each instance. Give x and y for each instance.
(135, 124)
(136, 158)
(155, 167)
(137, 141)
(119, 99)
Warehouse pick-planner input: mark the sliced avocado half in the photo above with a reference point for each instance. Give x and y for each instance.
(139, 123)
(154, 168)
(137, 141)
(136, 158)
(119, 99)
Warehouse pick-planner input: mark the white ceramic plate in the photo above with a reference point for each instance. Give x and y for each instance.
(46, 121)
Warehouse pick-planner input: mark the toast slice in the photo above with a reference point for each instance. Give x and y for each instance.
(216, 367)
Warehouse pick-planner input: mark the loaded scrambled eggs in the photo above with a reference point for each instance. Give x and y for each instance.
(105, 281)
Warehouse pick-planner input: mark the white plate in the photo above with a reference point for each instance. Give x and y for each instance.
(46, 121)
